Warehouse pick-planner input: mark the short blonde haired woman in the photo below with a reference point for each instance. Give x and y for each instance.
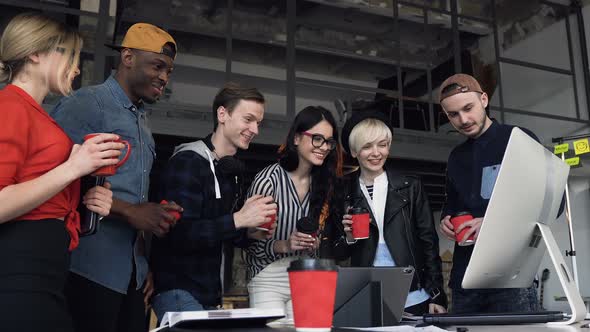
(39, 172)
(401, 230)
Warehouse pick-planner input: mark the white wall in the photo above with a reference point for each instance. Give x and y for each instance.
(540, 91)
(579, 189)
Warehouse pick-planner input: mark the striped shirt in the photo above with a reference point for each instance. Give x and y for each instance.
(370, 190)
(275, 181)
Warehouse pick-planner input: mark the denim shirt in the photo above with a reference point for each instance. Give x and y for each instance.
(107, 257)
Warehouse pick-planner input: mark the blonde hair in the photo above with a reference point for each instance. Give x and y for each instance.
(367, 131)
(30, 33)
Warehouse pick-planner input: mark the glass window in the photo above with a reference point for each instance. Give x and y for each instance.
(538, 91)
(544, 128)
(540, 38)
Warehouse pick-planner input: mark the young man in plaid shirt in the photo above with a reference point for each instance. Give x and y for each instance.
(203, 177)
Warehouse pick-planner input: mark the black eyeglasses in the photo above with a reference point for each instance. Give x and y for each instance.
(318, 140)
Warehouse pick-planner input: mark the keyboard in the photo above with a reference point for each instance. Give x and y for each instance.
(495, 318)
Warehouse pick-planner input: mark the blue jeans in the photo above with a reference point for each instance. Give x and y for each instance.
(176, 300)
(466, 301)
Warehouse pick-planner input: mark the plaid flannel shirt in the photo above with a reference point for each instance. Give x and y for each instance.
(189, 256)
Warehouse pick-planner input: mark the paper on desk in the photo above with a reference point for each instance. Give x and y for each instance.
(159, 328)
(172, 318)
(283, 322)
(402, 328)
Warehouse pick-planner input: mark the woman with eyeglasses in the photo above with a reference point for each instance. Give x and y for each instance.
(302, 185)
(401, 229)
(39, 171)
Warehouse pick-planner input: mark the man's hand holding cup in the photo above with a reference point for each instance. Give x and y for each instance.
(257, 210)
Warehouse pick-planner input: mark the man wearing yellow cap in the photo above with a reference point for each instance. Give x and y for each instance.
(471, 174)
(109, 269)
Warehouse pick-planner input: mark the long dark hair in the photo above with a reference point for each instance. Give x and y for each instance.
(323, 177)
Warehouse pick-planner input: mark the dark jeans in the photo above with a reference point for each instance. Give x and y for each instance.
(95, 308)
(494, 300)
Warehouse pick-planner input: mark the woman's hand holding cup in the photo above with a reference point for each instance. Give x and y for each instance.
(302, 241)
(347, 224)
(96, 152)
(110, 170)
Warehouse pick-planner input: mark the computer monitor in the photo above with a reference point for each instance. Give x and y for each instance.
(514, 234)
(371, 296)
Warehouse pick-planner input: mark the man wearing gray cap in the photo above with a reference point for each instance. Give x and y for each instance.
(471, 174)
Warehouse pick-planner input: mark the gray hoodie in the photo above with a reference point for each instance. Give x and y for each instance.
(200, 148)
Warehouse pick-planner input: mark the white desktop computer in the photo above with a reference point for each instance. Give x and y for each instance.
(515, 234)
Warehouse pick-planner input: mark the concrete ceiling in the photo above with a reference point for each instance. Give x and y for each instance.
(340, 27)
(346, 34)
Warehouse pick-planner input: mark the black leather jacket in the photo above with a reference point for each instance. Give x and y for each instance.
(408, 230)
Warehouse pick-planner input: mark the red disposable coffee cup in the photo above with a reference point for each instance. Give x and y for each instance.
(173, 213)
(112, 169)
(360, 223)
(268, 225)
(313, 292)
(459, 219)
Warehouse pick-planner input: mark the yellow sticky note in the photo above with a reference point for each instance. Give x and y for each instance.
(581, 146)
(561, 148)
(573, 161)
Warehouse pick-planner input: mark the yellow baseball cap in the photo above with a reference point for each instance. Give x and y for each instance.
(147, 37)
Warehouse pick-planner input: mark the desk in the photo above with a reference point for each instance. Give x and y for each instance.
(475, 328)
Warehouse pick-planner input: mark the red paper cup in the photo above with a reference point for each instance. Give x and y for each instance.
(268, 225)
(313, 292)
(112, 169)
(459, 219)
(173, 213)
(360, 223)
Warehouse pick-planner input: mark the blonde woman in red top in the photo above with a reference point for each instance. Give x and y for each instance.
(39, 172)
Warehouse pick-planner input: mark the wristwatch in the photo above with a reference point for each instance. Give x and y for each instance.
(434, 293)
